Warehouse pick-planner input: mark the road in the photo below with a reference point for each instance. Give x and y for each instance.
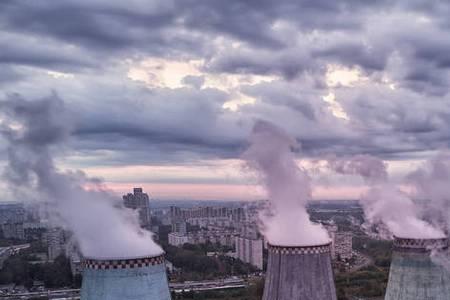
(53, 294)
(66, 294)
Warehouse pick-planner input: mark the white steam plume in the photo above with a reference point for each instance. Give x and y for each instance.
(288, 188)
(100, 224)
(431, 184)
(386, 207)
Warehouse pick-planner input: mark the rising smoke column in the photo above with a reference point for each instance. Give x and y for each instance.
(431, 183)
(386, 207)
(288, 188)
(101, 226)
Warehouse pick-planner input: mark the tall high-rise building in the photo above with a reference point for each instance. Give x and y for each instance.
(250, 250)
(55, 243)
(140, 202)
(179, 227)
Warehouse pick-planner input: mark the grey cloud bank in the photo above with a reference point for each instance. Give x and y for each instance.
(398, 107)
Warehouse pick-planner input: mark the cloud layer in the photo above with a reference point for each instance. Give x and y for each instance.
(151, 82)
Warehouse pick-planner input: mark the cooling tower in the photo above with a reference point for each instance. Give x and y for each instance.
(141, 278)
(413, 275)
(299, 273)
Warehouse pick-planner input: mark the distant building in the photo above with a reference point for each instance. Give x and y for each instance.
(234, 214)
(55, 243)
(221, 237)
(34, 230)
(179, 227)
(250, 251)
(249, 230)
(13, 231)
(177, 239)
(5, 252)
(76, 266)
(218, 222)
(140, 202)
(343, 245)
(332, 230)
(73, 253)
(12, 212)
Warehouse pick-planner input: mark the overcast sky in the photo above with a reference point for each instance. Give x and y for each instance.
(165, 93)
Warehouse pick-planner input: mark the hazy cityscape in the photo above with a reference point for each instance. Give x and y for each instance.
(222, 238)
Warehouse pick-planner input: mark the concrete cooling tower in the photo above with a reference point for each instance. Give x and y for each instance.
(299, 273)
(141, 278)
(413, 275)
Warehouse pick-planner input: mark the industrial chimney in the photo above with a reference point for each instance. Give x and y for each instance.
(142, 278)
(413, 275)
(299, 273)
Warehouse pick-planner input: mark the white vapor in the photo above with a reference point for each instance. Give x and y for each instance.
(102, 227)
(431, 183)
(387, 208)
(288, 188)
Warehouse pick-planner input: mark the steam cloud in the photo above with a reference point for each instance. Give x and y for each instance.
(386, 207)
(431, 183)
(288, 187)
(100, 224)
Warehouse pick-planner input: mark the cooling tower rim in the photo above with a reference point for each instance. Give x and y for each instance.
(123, 263)
(418, 240)
(299, 246)
(420, 244)
(443, 238)
(303, 249)
(105, 258)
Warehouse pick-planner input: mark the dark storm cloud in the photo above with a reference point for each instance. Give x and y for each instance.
(399, 120)
(288, 63)
(182, 28)
(84, 34)
(156, 136)
(111, 25)
(353, 53)
(251, 20)
(31, 53)
(306, 104)
(405, 41)
(88, 24)
(160, 124)
(107, 24)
